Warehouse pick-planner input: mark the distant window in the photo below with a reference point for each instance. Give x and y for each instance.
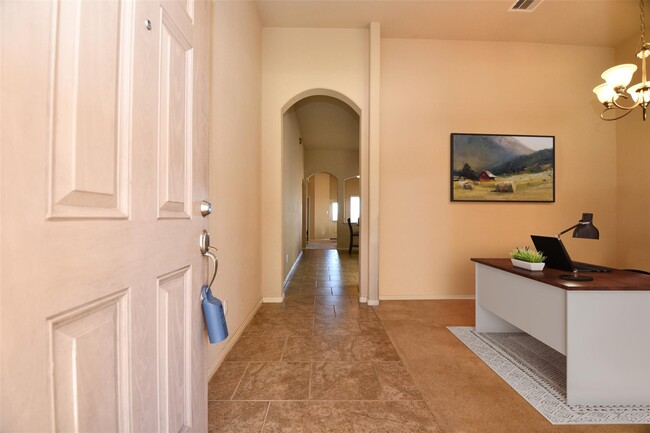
(355, 208)
(334, 211)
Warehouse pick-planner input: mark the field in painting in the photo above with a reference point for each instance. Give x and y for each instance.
(528, 187)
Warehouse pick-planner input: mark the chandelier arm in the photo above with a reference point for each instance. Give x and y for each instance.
(625, 113)
(623, 107)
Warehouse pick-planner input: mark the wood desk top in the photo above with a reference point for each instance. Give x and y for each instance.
(614, 280)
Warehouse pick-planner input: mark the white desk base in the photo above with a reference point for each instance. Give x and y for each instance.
(605, 335)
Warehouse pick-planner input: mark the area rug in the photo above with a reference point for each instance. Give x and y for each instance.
(538, 373)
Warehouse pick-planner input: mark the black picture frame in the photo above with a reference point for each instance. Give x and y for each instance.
(502, 168)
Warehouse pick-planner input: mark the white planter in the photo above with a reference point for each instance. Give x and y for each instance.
(527, 265)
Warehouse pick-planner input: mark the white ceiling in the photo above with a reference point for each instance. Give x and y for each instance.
(603, 23)
(327, 123)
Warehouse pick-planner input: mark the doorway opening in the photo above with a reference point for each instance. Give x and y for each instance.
(321, 212)
(320, 147)
(352, 209)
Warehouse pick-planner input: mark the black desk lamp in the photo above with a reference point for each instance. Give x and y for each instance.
(585, 229)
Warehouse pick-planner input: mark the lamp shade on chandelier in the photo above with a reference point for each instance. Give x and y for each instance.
(615, 94)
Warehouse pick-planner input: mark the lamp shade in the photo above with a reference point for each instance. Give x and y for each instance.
(605, 93)
(586, 228)
(619, 76)
(639, 89)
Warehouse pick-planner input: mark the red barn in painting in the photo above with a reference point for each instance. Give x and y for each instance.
(486, 176)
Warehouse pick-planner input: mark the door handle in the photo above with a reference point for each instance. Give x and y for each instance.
(204, 244)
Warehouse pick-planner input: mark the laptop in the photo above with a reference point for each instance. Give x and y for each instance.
(557, 256)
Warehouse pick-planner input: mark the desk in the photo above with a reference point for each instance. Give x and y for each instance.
(602, 326)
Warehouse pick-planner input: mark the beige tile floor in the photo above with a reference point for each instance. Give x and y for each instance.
(319, 362)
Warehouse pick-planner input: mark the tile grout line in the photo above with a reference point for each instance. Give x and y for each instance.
(284, 348)
(266, 415)
(248, 363)
(311, 369)
(381, 383)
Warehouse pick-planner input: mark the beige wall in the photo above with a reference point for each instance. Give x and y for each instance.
(342, 164)
(321, 228)
(235, 91)
(297, 63)
(292, 178)
(311, 194)
(432, 88)
(633, 158)
(334, 198)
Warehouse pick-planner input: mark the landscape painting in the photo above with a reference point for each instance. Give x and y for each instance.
(502, 168)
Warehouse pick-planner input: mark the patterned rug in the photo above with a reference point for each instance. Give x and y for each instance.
(538, 373)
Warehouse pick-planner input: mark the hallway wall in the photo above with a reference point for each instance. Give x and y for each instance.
(333, 196)
(235, 101)
(321, 201)
(292, 179)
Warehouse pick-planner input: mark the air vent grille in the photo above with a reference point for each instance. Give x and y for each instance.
(525, 5)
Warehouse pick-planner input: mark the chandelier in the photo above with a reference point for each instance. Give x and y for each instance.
(612, 92)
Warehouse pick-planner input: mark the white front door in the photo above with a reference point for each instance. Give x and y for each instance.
(103, 166)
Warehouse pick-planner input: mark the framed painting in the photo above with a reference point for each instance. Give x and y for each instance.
(502, 168)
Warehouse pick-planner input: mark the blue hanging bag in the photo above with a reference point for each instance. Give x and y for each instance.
(215, 318)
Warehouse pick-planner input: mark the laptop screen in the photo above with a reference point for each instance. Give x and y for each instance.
(553, 248)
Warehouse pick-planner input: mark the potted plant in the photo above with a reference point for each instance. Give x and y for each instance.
(526, 258)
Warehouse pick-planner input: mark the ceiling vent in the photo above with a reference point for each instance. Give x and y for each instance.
(525, 5)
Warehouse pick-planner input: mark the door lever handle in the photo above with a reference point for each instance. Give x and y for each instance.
(204, 243)
(215, 264)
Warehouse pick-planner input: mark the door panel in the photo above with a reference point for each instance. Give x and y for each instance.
(174, 350)
(175, 113)
(90, 102)
(89, 358)
(104, 164)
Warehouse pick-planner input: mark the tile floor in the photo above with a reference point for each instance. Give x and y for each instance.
(319, 362)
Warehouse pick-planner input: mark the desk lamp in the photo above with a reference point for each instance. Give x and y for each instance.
(585, 229)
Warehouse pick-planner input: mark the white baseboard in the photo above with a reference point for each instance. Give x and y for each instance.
(423, 297)
(231, 342)
(273, 300)
(292, 270)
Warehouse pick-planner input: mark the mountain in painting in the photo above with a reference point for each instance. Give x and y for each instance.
(482, 152)
(534, 163)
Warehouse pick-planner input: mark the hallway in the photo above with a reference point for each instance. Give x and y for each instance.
(319, 362)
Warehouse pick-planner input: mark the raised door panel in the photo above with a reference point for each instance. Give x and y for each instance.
(89, 361)
(174, 351)
(90, 99)
(175, 114)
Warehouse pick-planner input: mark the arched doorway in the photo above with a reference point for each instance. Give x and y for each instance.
(320, 134)
(321, 212)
